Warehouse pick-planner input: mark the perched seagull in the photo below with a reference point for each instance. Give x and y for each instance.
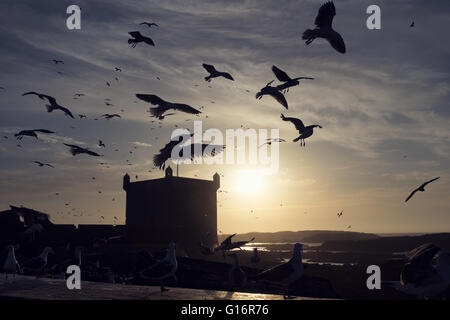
(305, 132)
(74, 150)
(213, 73)
(285, 273)
(11, 265)
(138, 37)
(37, 264)
(255, 257)
(324, 28)
(189, 151)
(288, 81)
(340, 214)
(41, 164)
(57, 61)
(108, 116)
(164, 106)
(149, 24)
(423, 278)
(53, 104)
(163, 269)
(236, 275)
(274, 93)
(31, 133)
(270, 141)
(421, 188)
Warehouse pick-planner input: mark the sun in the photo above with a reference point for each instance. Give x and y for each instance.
(250, 181)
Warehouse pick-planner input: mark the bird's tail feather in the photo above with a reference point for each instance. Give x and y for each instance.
(309, 35)
(159, 160)
(296, 139)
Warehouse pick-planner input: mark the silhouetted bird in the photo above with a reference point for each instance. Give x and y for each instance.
(101, 144)
(324, 29)
(274, 93)
(79, 94)
(236, 276)
(164, 106)
(421, 188)
(149, 24)
(117, 69)
(108, 84)
(82, 116)
(31, 133)
(163, 269)
(412, 24)
(213, 73)
(165, 153)
(42, 164)
(137, 38)
(288, 81)
(305, 132)
(340, 214)
(286, 273)
(11, 265)
(37, 264)
(53, 104)
(110, 116)
(270, 141)
(74, 150)
(57, 61)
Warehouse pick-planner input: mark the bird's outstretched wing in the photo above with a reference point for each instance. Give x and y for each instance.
(185, 108)
(43, 131)
(228, 239)
(148, 40)
(151, 98)
(135, 34)
(411, 194)
(326, 14)
(280, 98)
(66, 111)
(430, 181)
(337, 42)
(91, 153)
(296, 122)
(209, 68)
(303, 78)
(228, 76)
(280, 74)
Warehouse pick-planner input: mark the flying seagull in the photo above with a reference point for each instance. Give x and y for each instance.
(41, 164)
(74, 150)
(213, 73)
(164, 106)
(108, 116)
(138, 37)
(31, 133)
(412, 24)
(274, 93)
(288, 81)
(340, 214)
(11, 265)
(421, 188)
(324, 28)
(272, 140)
(149, 24)
(286, 273)
(163, 269)
(57, 61)
(305, 132)
(117, 69)
(165, 153)
(53, 105)
(101, 144)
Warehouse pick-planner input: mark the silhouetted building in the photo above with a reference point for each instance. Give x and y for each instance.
(172, 209)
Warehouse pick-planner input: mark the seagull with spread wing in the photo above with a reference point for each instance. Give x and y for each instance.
(421, 188)
(288, 81)
(137, 37)
(74, 150)
(274, 93)
(41, 164)
(324, 28)
(189, 151)
(213, 73)
(149, 24)
(305, 132)
(53, 105)
(31, 133)
(164, 106)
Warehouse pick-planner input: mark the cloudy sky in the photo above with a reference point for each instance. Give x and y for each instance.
(383, 106)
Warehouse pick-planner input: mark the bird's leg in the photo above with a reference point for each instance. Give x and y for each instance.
(162, 287)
